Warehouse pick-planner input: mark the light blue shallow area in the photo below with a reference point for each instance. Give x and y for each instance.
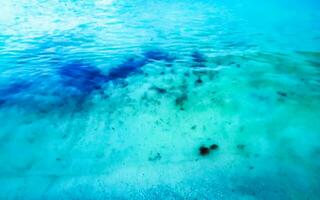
(170, 99)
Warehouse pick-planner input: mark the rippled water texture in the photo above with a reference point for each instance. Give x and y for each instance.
(132, 99)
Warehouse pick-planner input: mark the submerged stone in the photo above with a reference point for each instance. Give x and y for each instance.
(204, 150)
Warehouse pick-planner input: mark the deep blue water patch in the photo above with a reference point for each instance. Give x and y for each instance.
(72, 84)
(198, 58)
(81, 76)
(69, 87)
(78, 80)
(9, 92)
(134, 64)
(157, 55)
(129, 67)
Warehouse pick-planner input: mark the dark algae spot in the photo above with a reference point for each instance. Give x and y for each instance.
(159, 90)
(204, 150)
(214, 147)
(198, 81)
(241, 146)
(180, 100)
(155, 157)
(282, 94)
(58, 159)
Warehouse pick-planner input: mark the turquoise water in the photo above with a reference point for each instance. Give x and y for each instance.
(171, 99)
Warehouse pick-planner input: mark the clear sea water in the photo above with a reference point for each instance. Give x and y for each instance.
(149, 99)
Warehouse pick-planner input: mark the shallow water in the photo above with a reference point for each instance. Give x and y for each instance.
(115, 99)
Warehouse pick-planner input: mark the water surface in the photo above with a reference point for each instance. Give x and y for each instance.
(116, 99)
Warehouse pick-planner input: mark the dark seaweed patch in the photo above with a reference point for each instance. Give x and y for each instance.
(314, 63)
(159, 90)
(129, 67)
(8, 92)
(186, 74)
(58, 159)
(155, 157)
(198, 81)
(133, 65)
(82, 77)
(198, 57)
(203, 150)
(156, 55)
(282, 94)
(214, 147)
(2, 101)
(181, 100)
(14, 88)
(77, 81)
(123, 83)
(241, 147)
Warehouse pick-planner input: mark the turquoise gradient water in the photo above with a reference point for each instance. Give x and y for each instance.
(115, 99)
